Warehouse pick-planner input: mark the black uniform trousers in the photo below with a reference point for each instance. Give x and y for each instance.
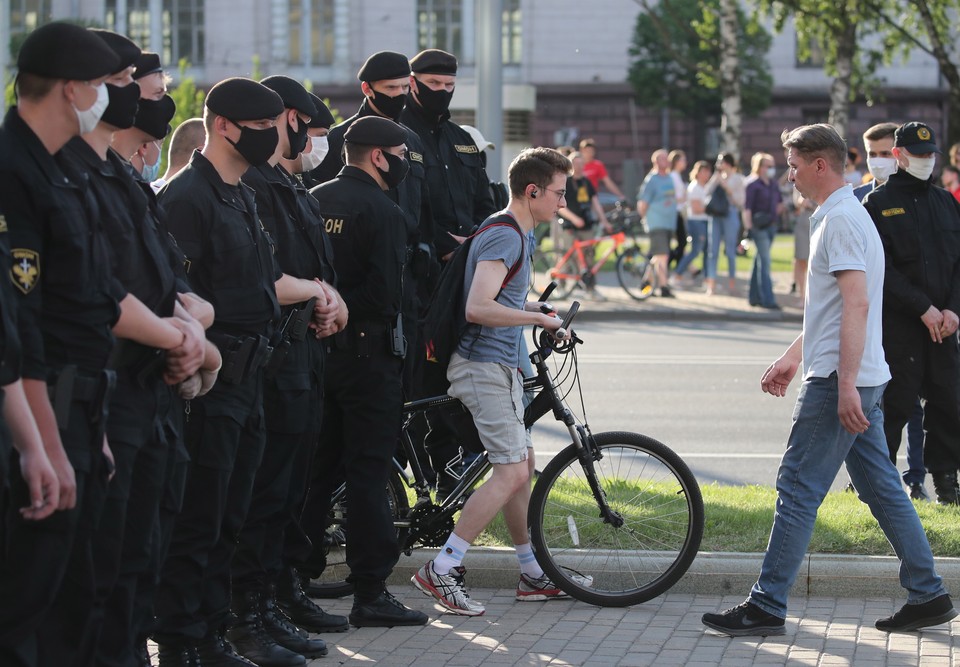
(47, 582)
(125, 539)
(362, 412)
(293, 411)
(919, 366)
(224, 435)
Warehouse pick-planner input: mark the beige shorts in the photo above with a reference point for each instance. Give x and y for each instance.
(493, 393)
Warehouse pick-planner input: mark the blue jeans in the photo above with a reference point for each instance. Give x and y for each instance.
(727, 229)
(818, 444)
(761, 284)
(697, 229)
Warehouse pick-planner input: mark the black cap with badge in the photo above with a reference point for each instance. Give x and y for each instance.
(66, 51)
(916, 137)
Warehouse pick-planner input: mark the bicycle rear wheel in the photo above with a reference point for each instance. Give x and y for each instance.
(333, 582)
(635, 273)
(649, 488)
(567, 275)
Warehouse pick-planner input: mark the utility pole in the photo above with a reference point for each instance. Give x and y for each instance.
(489, 33)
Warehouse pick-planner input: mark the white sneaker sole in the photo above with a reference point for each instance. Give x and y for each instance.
(429, 590)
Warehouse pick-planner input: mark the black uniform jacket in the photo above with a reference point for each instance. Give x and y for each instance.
(367, 232)
(459, 189)
(60, 266)
(229, 258)
(919, 224)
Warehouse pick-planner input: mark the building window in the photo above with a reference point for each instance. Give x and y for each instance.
(440, 25)
(27, 15)
(814, 58)
(512, 35)
(182, 28)
(311, 32)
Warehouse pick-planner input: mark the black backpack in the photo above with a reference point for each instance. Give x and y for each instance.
(446, 320)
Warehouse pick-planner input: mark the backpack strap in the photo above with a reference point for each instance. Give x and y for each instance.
(506, 220)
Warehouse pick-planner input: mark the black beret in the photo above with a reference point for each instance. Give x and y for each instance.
(124, 47)
(375, 131)
(66, 51)
(434, 61)
(916, 137)
(292, 92)
(323, 118)
(384, 65)
(238, 98)
(154, 116)
(147, 63)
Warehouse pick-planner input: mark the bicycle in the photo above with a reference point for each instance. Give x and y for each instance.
(620, 506)
(570, 269)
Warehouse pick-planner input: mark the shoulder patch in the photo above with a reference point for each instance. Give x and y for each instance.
(25, 271)
(333, 224)
(889, 212)
(414, 157)
(466, 149)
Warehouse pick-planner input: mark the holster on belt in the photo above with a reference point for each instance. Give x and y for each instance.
(293, 327)
(143, 363)
(72, 386)
(242, 356)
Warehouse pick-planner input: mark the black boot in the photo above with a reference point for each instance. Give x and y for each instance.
(945, 484)
(286, 633)
(140, 654)
(303, 611)
(176, 655)
(251, 638)
(385, 611)
(216, 651)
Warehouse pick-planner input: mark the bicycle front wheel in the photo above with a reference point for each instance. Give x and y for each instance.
(333, 582)
(654, 534)
(635, 273)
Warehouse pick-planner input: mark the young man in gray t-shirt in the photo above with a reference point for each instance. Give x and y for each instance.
(483, 375)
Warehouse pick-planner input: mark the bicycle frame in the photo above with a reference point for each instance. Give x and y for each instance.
(618, 239)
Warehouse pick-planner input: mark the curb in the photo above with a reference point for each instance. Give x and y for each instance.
(713, 573)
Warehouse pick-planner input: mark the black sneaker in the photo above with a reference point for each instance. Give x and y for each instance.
(918, 492)
(745, 620)
(385, 612)
(915, 616)
(666, 292)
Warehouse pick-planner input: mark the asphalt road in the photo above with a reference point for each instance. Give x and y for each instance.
(695, 386)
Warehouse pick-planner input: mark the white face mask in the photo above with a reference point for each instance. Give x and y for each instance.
(921, 167)
(771, 172)
(319, 151)
(882, 167)
(88, 119)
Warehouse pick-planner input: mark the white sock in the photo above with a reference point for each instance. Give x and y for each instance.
(451, 555)
(528, 562)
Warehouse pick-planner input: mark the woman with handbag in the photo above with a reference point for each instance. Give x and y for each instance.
(725, 198)
(761, 212)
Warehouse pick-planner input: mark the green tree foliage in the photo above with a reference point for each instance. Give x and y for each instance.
(675, 55)
(189, 100)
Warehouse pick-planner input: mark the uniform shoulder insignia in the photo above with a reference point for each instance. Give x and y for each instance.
(334, 223)
(414, 157)
(466, 149)
(889, 212)
(25, 271)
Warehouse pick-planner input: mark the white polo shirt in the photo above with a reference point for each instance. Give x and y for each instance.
(842, 237)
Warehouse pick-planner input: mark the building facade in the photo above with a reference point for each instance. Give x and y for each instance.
(565, 65)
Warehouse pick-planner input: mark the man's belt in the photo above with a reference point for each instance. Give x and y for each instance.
(242, 356)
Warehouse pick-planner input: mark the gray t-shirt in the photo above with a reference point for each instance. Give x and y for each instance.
(497, 344)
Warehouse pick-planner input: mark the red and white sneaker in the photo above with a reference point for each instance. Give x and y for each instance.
(530, 589)
(447, 589)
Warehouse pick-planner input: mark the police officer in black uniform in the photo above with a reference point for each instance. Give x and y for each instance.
(919, 224)
(292, 393)
(229, 263)
(460, 199)
(364, 397)
(385, 83)
(61, 272)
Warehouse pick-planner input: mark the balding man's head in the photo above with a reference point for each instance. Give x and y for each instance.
(188, 137)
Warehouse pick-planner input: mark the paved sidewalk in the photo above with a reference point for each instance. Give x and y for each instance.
(664, 632)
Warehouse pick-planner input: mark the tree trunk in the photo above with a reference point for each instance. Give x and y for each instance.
(948, 69)
(840, 88)
(732, 111)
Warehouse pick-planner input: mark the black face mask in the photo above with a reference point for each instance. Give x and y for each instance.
(398, 170)
(256, 146)
(122, 109)
(297, 138)
(436, 102)
(388, 106)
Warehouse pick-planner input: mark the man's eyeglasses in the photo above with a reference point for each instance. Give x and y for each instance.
(560, 193)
